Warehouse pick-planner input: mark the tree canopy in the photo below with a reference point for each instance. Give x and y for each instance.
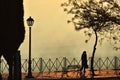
(100, 16)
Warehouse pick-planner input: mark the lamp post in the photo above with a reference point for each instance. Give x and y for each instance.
(30, 23)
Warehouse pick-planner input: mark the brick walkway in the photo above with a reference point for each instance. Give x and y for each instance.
(71, 75)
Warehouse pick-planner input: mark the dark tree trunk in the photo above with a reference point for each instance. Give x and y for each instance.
(93, 53)
(12, 30)
(17, 66)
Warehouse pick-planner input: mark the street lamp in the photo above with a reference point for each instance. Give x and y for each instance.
(30, 23)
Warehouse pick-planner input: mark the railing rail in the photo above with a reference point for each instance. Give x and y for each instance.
(56, 64)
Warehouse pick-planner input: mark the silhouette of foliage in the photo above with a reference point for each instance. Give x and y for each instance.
(99, 17)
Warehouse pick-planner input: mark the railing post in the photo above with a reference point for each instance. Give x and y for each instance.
(65, 62)
(115, 58)
(26, 65)
(64, 71)
(41, 63)
(90, 64)
(74, 61)
(107, 66)
(56, 64)
(116, 66)
(49, 67)
(32, 64)
(99, 65)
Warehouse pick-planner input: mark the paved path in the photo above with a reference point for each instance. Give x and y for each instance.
(72, 75)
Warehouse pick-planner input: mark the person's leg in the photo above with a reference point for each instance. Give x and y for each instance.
(81, 70)
(84, 70)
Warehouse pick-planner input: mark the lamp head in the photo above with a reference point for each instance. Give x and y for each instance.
(30, 21)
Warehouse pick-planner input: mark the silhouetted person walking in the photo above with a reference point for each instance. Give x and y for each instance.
(84, 62)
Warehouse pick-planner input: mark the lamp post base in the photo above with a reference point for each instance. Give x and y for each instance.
(31, 78)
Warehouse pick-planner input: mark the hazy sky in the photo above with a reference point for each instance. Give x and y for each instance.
(52, 36)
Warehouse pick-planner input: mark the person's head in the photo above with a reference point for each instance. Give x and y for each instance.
(84, 52)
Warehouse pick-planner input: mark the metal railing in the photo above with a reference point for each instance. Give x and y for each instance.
(41, 65)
